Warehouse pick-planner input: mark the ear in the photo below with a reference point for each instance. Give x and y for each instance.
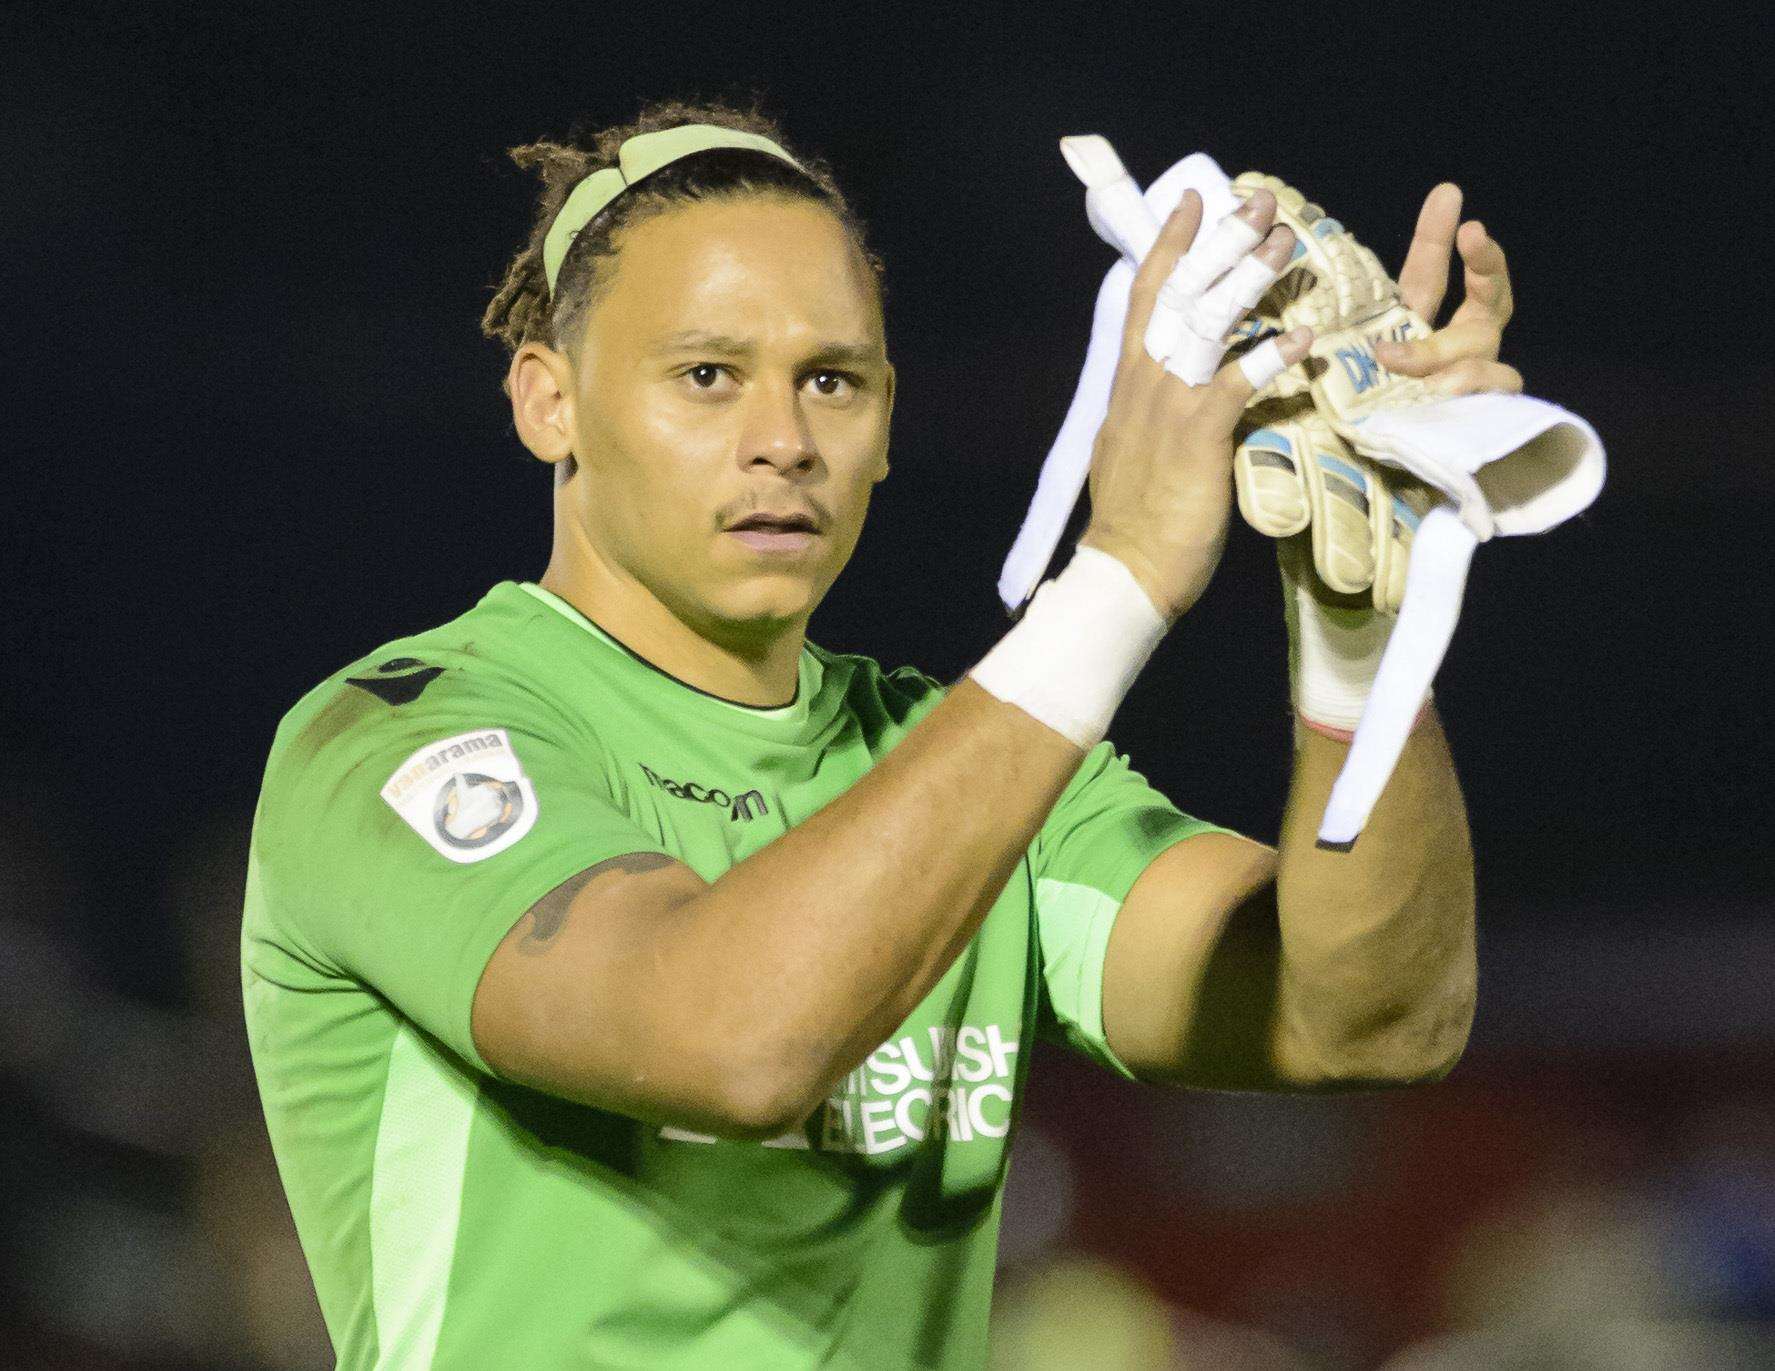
(540, 382)
(887, 421)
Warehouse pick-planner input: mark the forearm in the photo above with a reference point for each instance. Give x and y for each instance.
(1377, 964)
(849, 919)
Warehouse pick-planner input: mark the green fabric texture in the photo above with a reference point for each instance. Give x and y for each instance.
(416, 804)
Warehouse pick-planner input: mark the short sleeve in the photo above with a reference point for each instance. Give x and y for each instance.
(397, 847)
(1105, 830)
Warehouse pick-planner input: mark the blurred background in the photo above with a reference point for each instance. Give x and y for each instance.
(254, 432)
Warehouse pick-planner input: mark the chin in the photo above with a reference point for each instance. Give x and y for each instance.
(763, 605)
(762, 609)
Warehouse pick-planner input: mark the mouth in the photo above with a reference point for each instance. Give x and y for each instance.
(790, 532)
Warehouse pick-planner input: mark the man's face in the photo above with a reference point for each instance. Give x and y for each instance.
(735, 366)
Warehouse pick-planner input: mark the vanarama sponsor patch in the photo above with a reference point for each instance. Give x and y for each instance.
(467, 796)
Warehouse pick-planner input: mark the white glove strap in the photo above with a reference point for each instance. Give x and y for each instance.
(1068, 462)
(1440, 556)
(1077, 649)
(1333, 656)
(1511, 463)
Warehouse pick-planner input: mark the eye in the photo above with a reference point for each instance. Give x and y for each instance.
(835, 385)
(704, 375)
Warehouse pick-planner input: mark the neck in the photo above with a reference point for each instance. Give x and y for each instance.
(758, 670)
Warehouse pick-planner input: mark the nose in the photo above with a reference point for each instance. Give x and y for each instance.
(776, 432)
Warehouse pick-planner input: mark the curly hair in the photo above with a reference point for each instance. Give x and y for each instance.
(522, 310)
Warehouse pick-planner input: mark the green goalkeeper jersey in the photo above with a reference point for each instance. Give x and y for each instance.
(415, 805)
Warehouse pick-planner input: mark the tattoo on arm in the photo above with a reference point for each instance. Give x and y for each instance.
(548, 916)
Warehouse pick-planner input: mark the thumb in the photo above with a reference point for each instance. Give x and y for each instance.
(1443, 348)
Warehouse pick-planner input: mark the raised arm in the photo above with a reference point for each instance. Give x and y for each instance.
(1234, 966)
(1237, 967)
(734, 1007)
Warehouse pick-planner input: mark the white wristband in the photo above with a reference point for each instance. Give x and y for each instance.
(1081, 642)
(1333, 656)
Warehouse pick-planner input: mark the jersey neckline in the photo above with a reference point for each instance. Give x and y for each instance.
(779, 721)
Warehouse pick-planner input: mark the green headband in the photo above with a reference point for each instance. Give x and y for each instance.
(640, 157)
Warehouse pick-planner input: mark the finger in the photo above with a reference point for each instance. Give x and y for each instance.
(1473, 377)
(1264, 363)
(1212, 256)
(1294, 555)
(1174, 238)
(1233, 238)
(1486, 276)
(1225, 397)
(1198, 339)
(1267, 478)
(1343, 494)
(1423, 280)
(1242, 287)
(1476, 339)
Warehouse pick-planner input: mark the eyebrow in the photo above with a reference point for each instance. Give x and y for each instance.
(700, 340)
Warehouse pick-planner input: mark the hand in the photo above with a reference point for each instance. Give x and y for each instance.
(1161, 467)
(1461, 357)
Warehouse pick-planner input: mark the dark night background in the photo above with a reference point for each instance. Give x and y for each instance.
(252, 430)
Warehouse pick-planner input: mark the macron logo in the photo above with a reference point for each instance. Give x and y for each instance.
(741, 808)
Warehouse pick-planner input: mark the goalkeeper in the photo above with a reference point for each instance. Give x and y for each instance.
(634, 983)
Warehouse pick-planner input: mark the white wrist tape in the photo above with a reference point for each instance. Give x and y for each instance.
(1077, 649)
(1334, 656)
